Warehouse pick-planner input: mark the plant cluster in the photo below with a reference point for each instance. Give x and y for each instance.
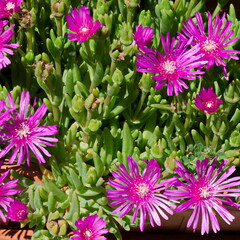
(130, 108)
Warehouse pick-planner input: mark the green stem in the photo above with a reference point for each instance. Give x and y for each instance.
(55, 113)
(91, 75)
(30, 48)
(208, 128)
(29, 39)
(11, 23)
(108, 98)
(130, 14)
(58, 72)
(89, 117)
(89, 52)
(91, 69)
(59, 26)
(112, 68)
(106, 101)
(189, 111)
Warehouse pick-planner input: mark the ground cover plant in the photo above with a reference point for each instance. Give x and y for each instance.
(130, 108)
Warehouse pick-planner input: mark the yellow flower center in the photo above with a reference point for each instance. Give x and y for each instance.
(169, 66)
(10, 6)
(210, 47)
(87, 233)
(23, 131)
(209, 104)
(142, 190)
(204, 192)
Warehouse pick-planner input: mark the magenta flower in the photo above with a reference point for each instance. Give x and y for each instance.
(81, 24)
(23, 132)
(140, 193)
(17, 211)
(4, 115)
(171, 68)
(143, 36)
(207, 101)
(91, 228)
(206, 193)
(5, 46)
(213, 43)
(8, 7)
(6, 190)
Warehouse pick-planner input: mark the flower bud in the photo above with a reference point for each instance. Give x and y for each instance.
(43, 70)
(27, 18)
(58, 9)
(53, 227)
(126, 34)
(94, 125)
(63, 227)
(132, 3)
(78, 103)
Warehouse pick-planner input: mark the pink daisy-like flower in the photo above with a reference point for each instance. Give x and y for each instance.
(8, 7)
(140, 192)
(81, 24)
(206, 193)
(207, 101)
(143, 36)
(213, 43)
(17, 211)
(6, 190)
(176, 64)
(23, 132)
(91, 228)
(5, 46)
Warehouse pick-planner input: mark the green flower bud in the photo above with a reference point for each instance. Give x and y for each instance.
(78, 103)
(29, 57)
(94, 125)
(53, 227)
(157, 150)
(63, 227)
(117, 77)
(27, 19)
(58, 9)
(83, 147)
(235, 139)
(43, 70)
(126, 34)
(91, 176)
